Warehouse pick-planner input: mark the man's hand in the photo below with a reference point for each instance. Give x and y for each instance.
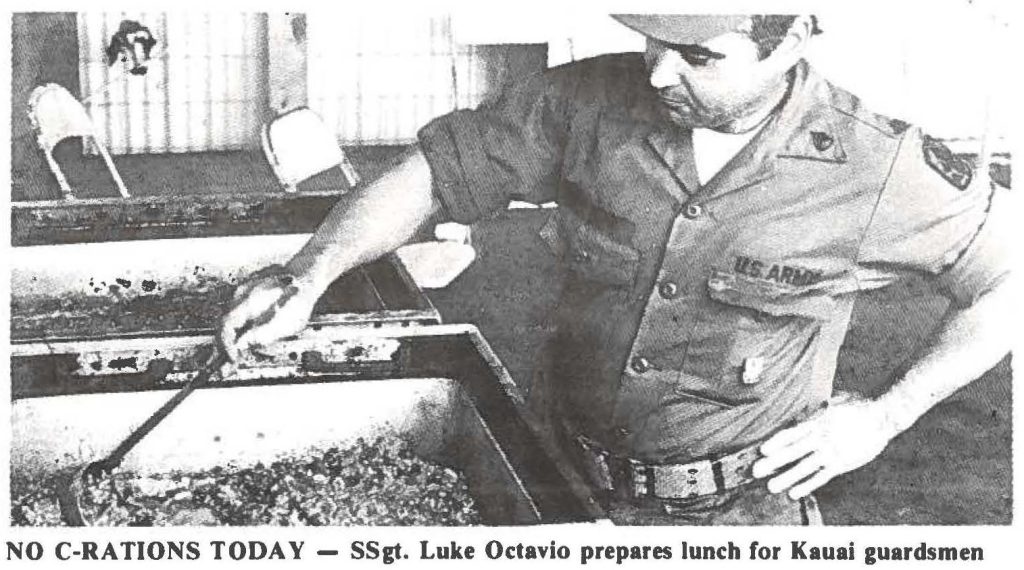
(848, 433)
(364, 224)
(267, 307)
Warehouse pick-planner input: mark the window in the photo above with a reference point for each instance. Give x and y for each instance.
(205, 90)
(375, 80)
(378, 81)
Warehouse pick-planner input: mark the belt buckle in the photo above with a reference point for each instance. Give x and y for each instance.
(687, 481)
(615, 474)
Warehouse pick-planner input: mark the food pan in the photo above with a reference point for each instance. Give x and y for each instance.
(440, 387)
(180, 286)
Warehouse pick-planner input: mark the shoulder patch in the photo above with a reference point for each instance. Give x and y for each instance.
(956, 170)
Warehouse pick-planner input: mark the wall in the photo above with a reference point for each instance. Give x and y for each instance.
(46, 48)
(940, 67)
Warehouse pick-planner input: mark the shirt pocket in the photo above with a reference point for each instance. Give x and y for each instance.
(589, 253)
(754, 332)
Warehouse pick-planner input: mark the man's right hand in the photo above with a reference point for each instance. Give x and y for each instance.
(268, 306)
(365, 223)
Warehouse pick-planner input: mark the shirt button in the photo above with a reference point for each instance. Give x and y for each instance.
(640, 364)
(693, 211)
(668, 289)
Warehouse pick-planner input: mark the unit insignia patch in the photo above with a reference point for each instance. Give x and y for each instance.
(957, 170)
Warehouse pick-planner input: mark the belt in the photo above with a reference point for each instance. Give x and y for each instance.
(636, 479)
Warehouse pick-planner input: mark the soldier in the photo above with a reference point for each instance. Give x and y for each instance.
(720, 207)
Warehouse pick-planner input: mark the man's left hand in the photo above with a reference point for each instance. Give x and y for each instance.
(848, 433)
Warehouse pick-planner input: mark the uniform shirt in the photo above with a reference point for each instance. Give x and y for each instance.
(695, 320)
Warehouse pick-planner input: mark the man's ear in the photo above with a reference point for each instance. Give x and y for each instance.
(794, 45)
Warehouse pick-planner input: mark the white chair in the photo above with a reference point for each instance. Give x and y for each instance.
(57, 115)
(299, 145)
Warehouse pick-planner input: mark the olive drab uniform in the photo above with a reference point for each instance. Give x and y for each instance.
(696, 320)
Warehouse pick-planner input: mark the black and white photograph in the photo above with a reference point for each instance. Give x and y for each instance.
(460, 268)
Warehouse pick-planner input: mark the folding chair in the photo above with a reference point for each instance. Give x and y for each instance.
(299, 145)
(57, 115)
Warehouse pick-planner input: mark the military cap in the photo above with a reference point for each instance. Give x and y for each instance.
(683, 29)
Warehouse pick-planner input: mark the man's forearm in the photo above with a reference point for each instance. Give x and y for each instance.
(852, 431)
(368, 222)
(968, 342)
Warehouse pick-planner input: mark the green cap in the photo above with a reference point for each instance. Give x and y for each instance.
(684, 29)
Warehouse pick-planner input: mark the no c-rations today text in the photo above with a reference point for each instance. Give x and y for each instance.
(375, 551)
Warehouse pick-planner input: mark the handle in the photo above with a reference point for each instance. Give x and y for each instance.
(213, 366)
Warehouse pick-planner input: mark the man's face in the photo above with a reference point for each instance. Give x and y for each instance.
(713, 84)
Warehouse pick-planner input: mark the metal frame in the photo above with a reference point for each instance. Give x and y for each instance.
(57, 222)
(458, 352)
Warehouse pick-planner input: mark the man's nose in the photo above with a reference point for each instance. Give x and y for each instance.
(665, 71)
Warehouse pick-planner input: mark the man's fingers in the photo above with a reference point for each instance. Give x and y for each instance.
(254, 330)
(229, 332)
(267, 277)
(248, 317)
(801, 470)
(786, 438)
(242, 291)
(256, 309)
(779, 458)
(809, 486)
(266, 311)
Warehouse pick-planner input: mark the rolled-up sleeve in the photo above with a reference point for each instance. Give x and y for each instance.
(511, 149)
(937, 216)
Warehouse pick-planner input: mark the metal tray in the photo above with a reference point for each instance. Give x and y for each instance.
(439, 386)
(46, 222)
(179, 286)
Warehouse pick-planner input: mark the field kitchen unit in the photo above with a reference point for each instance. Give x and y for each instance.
(103, 332)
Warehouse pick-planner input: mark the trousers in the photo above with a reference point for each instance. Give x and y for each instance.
(749, 504)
